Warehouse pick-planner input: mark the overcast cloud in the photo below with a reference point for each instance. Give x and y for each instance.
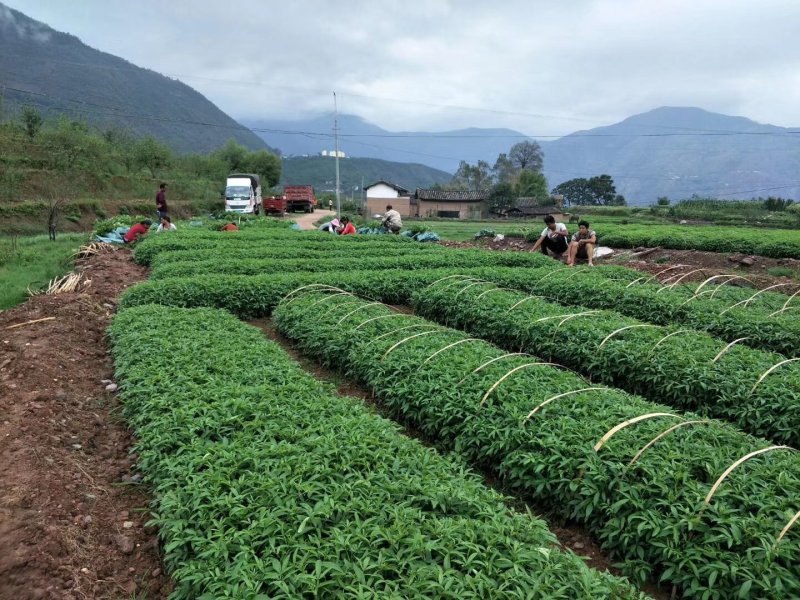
(544, 68)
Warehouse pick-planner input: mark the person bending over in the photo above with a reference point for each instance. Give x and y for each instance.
(553, 238)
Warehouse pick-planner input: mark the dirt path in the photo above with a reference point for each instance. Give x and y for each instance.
(306, 221)
(71, 514)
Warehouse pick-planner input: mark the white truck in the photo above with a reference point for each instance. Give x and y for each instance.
(243, 193)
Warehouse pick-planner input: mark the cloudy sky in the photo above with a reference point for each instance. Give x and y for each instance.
(541, 67)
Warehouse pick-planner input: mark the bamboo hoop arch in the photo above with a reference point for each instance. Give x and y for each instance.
(510, 373)
(443, 279)
(321, 300)
(576, 315)
(724, 351)
(613, 431)
(362, 307)
(526, 298)
(771, 369)
(728, 277)
(681, 278)
(786, 529)
(407, 327)
(408, 339)
(457, 281)
(557, 396)
(546, 275)
(673, 276)
(451, 346)
(785, 304)
(696, 296)
(730, 469)
(497, 289)
(661, 272)
(320, 287)
(637, 280)
(378, 317)
(664, 434)
(782, 310)
(777, 285)
(613, 333)
(666, 337)
(486, 364)
(474, 283)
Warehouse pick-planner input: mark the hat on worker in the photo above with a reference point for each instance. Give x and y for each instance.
(335, 222)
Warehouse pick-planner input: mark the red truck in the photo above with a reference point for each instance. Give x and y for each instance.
(300, 197)
(274, 205)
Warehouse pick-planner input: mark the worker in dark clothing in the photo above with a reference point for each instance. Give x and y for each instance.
(161, 201)
(553, 238)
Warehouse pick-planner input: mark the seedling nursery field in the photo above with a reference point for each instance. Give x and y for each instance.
(505, 396)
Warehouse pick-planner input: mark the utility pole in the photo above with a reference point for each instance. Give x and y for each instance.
(363, 202)
(336, 141)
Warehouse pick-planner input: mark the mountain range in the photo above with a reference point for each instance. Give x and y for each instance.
(58, 74)
(669, 151)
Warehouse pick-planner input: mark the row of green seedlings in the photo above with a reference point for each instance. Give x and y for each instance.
(777, 243)
(757, 391)
(189, 240)
(752, 324)
(252, 296)
(435, 259)
(682, 500)
(268, 485)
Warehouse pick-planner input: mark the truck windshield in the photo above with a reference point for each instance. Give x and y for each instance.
(237, 191)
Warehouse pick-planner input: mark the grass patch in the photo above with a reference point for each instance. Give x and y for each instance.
(783, 272)
(33, 261)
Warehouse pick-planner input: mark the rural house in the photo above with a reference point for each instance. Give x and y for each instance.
(449, 204)
(381, 193)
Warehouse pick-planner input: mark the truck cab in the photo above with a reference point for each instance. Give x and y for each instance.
(243, 193)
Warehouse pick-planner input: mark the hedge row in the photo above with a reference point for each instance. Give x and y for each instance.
(334, 266)
(681, 367)
(268, 485)
(777, 243)
(584, 453)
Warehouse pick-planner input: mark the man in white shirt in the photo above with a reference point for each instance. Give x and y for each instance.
(166, 225)
(554, 238)
(391, 220)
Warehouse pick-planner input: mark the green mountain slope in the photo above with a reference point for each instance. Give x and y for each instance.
(56, 73)
(320, 171)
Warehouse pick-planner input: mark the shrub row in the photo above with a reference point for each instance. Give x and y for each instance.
(334, 266)
(681, 367)
(585, 453)
(776, 243)
(268, 485)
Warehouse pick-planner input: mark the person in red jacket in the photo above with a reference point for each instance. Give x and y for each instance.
(347, 228)
(139, 229)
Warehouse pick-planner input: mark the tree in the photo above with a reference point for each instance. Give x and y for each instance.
(151, 154)
(527, 155)
(234, 154)
(531, 185)
(504, 170)
(501, 196)
(267, 165)
(472, 177)
(598, 190)
(31, 121)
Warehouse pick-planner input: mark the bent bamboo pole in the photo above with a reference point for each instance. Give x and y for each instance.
(362, 307)
(666, 337)
(613, 431)
(407, 327)
(786, 529)
(770, 370)
(525, 299)
(510, 373)
(728, 347)
(487, 363)
(664, 434)
(450, 346)
(613, 333)
(411, 337)
(557, 396)
(730, 469)
(377, 318)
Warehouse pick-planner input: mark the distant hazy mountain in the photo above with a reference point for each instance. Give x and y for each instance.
(441, 150)
(677, 152)
(63, 75)
(320, 171)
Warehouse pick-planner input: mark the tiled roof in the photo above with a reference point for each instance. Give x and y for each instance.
(398, 188)
(452, 195)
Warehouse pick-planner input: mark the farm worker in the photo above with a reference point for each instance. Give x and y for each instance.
(346, 227)
(553, 238)
(161, 201)
(582, 245)
(330, 227)
(391, 220)
(330, 204)
(139, 229)
(166, 224)
(230, 227)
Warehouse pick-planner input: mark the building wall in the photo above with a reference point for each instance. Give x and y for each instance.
(465, 210)
(377, 206)
(381, 190)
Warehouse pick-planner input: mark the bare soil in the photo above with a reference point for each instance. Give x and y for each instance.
(306, 221)
(694, 264)
(72, 515)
